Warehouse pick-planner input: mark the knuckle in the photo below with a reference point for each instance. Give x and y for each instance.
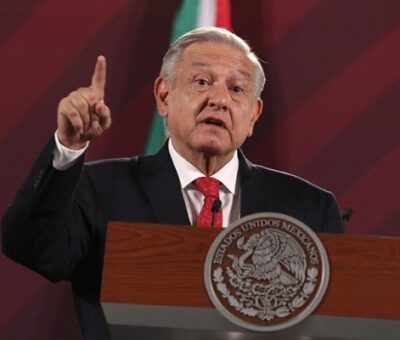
(105, 110)
(87, 93)
(76, 122)
(80, 104)
(73, 94)
(73, 114)
(85, 117)
(62, 105)
(92, 97)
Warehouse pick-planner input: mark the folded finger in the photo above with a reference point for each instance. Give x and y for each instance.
(74, 118)
(104, 114)
(90, 94)
(94, 128)
(82, 106)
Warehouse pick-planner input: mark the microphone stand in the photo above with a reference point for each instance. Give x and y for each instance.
(215, 207)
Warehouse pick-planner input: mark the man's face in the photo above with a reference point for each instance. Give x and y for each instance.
(210, 109)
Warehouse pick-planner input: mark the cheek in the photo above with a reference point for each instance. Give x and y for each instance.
(242, 126)
(180, 117)
(181, 102)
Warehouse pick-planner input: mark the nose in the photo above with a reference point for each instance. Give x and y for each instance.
(218, 97)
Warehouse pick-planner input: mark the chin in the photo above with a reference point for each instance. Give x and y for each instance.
(212, 147)
(211, 141)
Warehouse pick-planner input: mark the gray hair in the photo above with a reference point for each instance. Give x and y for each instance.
(215, 35)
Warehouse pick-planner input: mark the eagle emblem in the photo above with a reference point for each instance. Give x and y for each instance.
(267, 271)
(271, 256)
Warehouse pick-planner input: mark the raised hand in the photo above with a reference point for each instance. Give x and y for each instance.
(83, 114)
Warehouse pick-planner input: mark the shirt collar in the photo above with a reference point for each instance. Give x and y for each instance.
(187, 172)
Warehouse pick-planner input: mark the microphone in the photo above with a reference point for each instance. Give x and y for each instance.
(215, 207)
(348, 212)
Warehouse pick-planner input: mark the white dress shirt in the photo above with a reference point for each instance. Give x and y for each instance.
(64, 158)
(229, 191)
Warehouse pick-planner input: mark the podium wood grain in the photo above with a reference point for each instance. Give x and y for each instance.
(163, 265)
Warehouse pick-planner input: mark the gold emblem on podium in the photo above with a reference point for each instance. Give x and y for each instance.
(266, 272)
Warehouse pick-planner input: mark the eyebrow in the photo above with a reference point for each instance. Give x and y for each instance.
(205, 65)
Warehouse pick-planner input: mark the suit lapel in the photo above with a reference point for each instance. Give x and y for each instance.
(253, 189)
(162, 188)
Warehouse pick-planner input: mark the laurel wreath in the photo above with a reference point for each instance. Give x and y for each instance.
(268, 314)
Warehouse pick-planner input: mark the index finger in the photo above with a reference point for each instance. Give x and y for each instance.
(99, 74)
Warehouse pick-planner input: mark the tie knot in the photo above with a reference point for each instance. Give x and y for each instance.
(208, 186)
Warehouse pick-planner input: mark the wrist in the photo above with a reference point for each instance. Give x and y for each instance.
(70, 144)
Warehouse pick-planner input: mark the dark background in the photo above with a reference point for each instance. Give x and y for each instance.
(331, 107)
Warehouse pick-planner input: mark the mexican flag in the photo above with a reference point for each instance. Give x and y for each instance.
(191, 14)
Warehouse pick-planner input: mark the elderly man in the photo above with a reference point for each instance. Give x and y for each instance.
(208, 93)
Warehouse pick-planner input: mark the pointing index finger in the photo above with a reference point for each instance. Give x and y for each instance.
(99, 74)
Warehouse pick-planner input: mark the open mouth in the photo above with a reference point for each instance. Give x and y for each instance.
(213, 121)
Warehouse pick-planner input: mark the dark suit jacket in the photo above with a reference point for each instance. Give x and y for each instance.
(57, 223)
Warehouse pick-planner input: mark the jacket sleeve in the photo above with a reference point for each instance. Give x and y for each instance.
(45, 228)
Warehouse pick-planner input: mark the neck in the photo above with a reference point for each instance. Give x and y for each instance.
(206, 162)
(209, 164)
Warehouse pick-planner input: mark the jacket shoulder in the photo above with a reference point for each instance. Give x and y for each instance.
(282, 179)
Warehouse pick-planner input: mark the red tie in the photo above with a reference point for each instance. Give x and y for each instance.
(209, 187)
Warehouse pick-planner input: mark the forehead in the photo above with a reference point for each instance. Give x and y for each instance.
(216, 56)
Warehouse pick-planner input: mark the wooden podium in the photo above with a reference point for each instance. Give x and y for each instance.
(153, 287)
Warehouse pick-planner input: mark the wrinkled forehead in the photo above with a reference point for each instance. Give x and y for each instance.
(211, 55)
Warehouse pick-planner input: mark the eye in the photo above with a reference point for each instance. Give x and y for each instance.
(202, 82)
(237, 89)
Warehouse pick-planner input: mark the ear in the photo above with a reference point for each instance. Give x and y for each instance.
(257, 109)
(161, 91)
